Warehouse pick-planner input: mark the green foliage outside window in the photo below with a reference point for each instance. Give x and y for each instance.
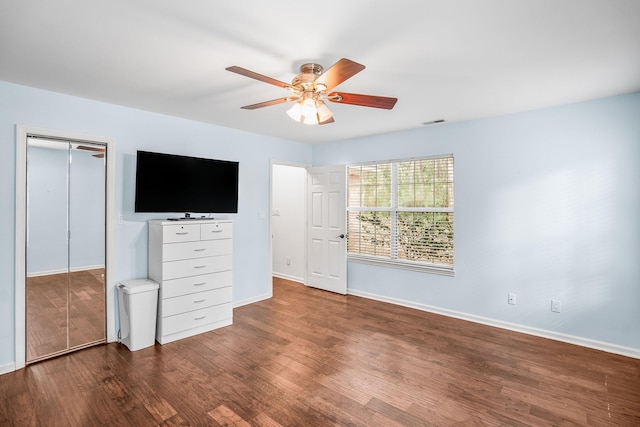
(422, 208)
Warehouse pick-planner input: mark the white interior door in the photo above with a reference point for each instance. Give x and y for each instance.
(326, 228)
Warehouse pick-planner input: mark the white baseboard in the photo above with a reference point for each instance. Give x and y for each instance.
(46, 273)
(9, 367)
(73, 270)
(557, 336)
(247, 301)
(287, 277)
(86, 268)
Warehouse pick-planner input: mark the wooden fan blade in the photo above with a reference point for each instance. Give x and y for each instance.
(254, 75)
(89, 148)
(326, 122)
(268, 103)
(363, 100)
(339, 72)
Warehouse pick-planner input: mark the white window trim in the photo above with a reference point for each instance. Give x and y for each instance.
(393, 261)
(443, 270)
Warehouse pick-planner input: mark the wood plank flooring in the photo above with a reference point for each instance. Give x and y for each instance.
(311, 358)
(64, 311)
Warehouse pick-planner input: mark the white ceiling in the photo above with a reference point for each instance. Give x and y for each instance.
(446, 59)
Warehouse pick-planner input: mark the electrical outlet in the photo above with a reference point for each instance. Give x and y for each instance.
(511, 299)
(556, 305)
(288, 261)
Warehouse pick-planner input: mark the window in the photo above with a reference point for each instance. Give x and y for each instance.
(401, 213)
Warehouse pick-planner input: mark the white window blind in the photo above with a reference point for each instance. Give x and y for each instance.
(401, 212)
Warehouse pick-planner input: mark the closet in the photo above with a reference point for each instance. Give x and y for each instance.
(65, 246)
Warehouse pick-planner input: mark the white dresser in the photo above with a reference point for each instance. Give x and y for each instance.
(192, 261)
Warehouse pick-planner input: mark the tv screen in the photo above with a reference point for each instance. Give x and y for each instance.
(172, 183)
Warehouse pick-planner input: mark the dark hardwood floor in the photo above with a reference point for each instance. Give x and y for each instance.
(64, 311)
(312, 358)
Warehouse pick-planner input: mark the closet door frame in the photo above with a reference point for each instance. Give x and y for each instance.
(22, 132)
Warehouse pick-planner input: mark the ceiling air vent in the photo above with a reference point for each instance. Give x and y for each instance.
(433, 122)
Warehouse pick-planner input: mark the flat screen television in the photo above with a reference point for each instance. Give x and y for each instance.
(183, 184)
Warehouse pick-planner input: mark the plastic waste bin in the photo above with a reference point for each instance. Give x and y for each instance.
(138, 305)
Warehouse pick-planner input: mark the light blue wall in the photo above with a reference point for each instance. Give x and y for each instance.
(47, 249)
(48, 179)
(87, 208)
(134, 130)
(547, 206)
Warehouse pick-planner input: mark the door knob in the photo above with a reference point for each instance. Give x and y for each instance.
(341, 236)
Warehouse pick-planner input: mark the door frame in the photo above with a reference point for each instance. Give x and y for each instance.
(304, 166)
(22, 132)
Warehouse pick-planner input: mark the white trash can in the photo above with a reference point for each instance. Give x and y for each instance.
(138, 305)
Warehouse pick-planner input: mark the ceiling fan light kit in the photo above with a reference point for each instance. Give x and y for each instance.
(309, 91)
(310, 111)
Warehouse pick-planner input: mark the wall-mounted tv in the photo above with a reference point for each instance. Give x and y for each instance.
(183, 184)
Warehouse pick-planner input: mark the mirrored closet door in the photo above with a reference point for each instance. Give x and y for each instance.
(65, 283)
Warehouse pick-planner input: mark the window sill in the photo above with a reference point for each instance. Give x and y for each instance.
(403, 265)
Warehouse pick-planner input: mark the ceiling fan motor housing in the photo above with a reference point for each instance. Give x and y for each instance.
(311, 68)
(308, 74)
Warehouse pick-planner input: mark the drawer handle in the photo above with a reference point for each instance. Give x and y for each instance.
(200, 284)
(199, 266)
(199, 318)
(199, 249)
(180, 233)
(199, 301)
(217, 230)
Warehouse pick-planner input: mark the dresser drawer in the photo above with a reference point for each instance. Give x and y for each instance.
(193, 267)
(192, 302)
(180, 233)
(199, 249)
(193, 284)
(197, 318)
(193, 263)
(216, 230)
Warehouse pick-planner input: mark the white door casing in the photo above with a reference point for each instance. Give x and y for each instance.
(20, 232)
(326, 228)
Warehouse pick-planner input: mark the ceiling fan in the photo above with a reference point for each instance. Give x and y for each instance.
(312, 87)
